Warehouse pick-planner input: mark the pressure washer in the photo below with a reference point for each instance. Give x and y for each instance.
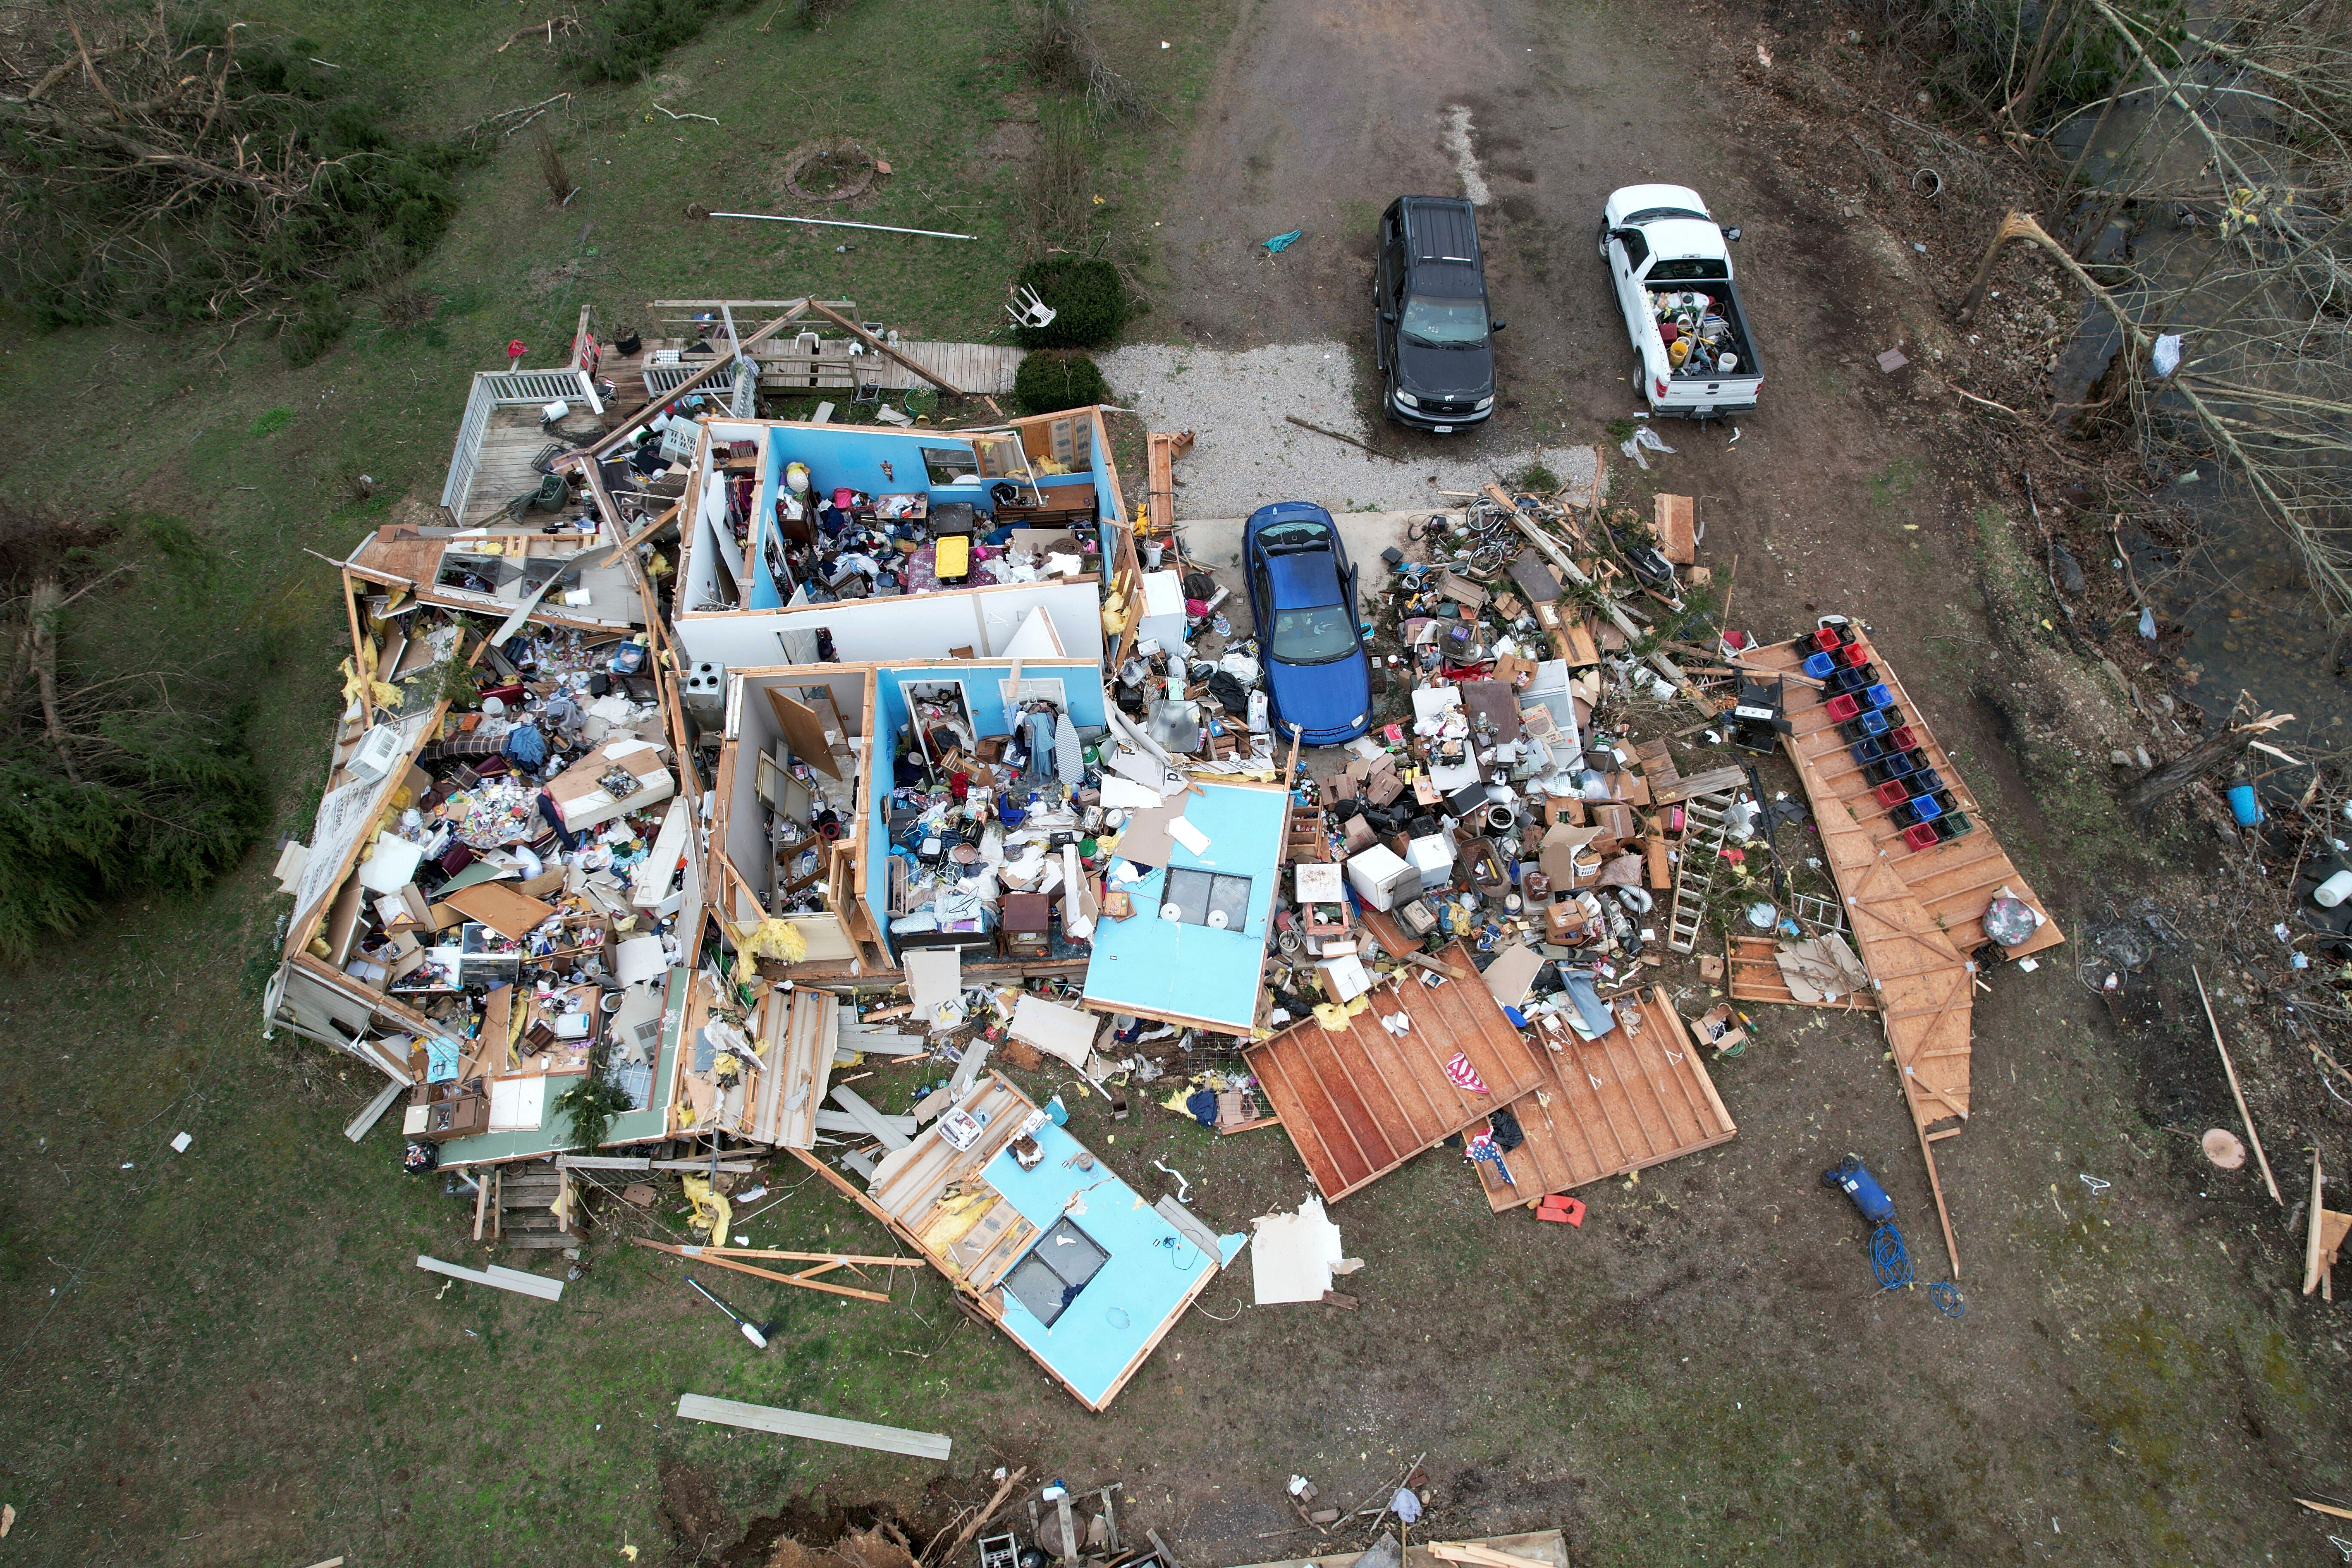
(1889, 1259)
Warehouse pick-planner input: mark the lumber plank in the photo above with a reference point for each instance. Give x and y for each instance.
(360, 1125)
(716, 1261)
(817, 1429)
(513, 1279)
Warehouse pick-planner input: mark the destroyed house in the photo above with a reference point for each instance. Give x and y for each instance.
(438, 933)
(818, 824)
(803, 543)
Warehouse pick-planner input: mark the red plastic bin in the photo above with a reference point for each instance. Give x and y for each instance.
(1920, 836)
(1891, 793)
(1826, 638)
(1855, 655)
(1901, 739)
(1843, 707)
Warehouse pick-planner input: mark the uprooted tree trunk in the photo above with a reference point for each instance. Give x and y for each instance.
(48, 602)
(2226, 745)
(2143, 797)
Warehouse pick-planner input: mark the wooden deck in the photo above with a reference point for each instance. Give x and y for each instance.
(509, 443)
(1609, 1106)
(1916, 914)
(1362, 1101)
(787, 369)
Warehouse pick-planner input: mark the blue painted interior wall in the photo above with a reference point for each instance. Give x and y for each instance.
(1106, 496)
(1192, 970)
(1141, 1285)
(1082, 689)
(849, 456)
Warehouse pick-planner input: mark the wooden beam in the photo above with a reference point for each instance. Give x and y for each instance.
(819, 1428)
(878, 346)
(1935, 1185)
(2311, 1242)
(2235, 1092)
(799, 309)
(697, 1253)
(836, 1258)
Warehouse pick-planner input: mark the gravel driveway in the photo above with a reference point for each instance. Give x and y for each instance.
(1247, 455)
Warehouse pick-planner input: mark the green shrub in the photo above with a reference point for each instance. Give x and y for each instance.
(1051, 380)
(1091, 303)
(593, 1102)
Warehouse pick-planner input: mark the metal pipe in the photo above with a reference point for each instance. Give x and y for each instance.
(845, 222)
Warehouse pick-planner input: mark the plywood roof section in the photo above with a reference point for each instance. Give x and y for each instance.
(1607, 1106)
(1916, 914)
(1360, 1101)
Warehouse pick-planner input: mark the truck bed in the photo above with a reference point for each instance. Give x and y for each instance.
(1699, 386)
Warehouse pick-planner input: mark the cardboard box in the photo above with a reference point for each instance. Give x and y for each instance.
(1558, 853)
(1514, 671)
(581, 798)
(1563, 921)
(1617, 823)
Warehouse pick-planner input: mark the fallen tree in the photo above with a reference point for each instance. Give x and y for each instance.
(173, 167)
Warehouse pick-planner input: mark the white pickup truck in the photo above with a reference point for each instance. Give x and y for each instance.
(1672, 269)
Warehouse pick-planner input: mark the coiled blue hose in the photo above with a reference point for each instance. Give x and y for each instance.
(1889, 1259)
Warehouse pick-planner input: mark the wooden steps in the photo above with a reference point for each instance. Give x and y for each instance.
(522, 1201)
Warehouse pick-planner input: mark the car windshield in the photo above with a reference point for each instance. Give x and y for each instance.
(1315, 635)
(1287, 536)
(1446, 323)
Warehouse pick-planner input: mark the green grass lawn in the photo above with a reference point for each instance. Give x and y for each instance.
(228, 1355)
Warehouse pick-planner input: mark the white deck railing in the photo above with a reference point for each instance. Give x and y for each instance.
(496, 389)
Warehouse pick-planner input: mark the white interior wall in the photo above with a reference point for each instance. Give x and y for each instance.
(757, 732)
(902, 628)
(747, 814)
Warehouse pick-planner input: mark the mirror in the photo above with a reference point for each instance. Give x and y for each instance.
(1388, 316)
(1493, 326)
(1732, 233)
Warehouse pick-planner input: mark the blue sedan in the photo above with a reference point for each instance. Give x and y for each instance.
(1302, 595)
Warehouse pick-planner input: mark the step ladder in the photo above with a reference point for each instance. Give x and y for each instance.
(1695, 872)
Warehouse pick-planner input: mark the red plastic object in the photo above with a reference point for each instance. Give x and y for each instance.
(1900, 738)
(1891, 793)
(1855, 654)
(1562, 1209)
(1843, 707)
(1920, 836)
(1826, 638)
